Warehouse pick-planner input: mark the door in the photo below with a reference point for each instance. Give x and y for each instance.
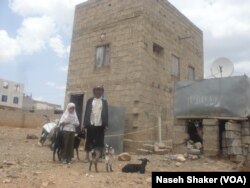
(77, 99)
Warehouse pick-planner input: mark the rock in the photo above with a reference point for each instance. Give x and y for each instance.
(190, 146)
(194, 152)
(45, 184)
(31, 136)
(180, 158)
(161, 145)
(193, 157)
(124, 157)
(6, 180)
(36, 173)
(1, 166)
(9, 163)
(13, 176)
(177, 164)
(198, 145)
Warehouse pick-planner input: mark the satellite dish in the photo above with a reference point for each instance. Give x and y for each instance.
(222, 67)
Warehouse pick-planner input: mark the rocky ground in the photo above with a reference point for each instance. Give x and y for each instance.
(24, 164)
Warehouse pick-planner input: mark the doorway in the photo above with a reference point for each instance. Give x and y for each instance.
(78, 99)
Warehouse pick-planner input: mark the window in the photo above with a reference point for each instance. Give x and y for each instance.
(16, 87)
(4, 98)
(15, 100)
(157, 49)
(191, 73)
(175, 66)
(102, 56)
(5, 85)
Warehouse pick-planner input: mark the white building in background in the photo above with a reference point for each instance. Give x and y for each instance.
(11, 94)
(29, 104)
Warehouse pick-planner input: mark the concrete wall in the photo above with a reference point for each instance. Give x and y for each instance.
(135, 77)
(23, 119)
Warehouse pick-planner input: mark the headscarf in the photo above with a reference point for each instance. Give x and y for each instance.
(68, 117)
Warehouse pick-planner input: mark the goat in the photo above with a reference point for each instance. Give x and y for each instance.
(57, 142)
(109, 153)
(94, 156)
(136, 167)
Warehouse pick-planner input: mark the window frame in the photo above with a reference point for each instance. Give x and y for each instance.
(4, 97)
(193, 69)
(173, 74)
(14, 102)
(106, 56)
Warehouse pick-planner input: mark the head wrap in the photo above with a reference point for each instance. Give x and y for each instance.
(68, 117)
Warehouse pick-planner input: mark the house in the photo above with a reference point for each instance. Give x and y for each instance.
(138, 50)
(11, 94)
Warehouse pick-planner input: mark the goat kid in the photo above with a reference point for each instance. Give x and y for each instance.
(94, 156)
(109, 155)
(131, 168)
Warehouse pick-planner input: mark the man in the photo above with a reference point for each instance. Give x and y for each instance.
(95, 120)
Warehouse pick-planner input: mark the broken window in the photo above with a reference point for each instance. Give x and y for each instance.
(191, 73)
(157, 49)
(15, 100)
(175, 66)
(5, 85)
(102, 56)
(4, 98)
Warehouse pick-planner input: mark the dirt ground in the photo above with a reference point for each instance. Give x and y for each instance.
(24, 164)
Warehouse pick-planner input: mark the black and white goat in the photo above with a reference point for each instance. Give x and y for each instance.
(109, 155)
(57, 142)
(94, 156)
(131, 168)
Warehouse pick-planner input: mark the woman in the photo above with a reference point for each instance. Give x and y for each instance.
(68, 123)
(95, 120)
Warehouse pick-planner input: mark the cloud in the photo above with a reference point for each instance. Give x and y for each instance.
(53, 85)
(61, 88)
(63, 68)
(40, 98)
(31, 37)
(226, 28)
(58, 47)
(8, 52)
(45, 23)
(50, 83)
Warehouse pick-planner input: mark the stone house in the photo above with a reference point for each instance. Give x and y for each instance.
(137, 49)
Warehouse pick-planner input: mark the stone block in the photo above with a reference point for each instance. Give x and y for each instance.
(245, 151)
(248, 157)
(224, 152)
(245, 139)
(232, 134)
(245, 124)
(229, 126)
(237, 158)
(245, 131)
(210, 122)
(211, 152)
(234, 150)
(233, 142)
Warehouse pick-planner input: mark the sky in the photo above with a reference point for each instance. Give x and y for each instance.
(35, 39)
